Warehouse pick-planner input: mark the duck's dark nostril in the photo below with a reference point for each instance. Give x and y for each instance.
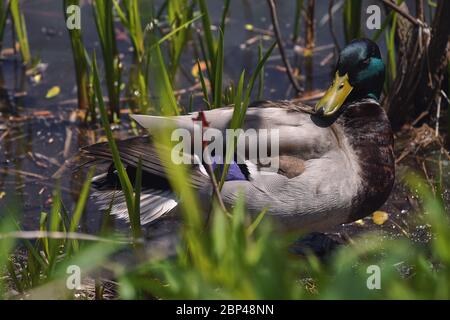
(320, 111)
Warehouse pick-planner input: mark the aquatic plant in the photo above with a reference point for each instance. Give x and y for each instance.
(138, 90)
(132, 196)
(213, 51)
(39, 268)
(297, 19)
(352, 19)
(81, 60)
(178, 14)
(21, 30)
(4, 10)
(104, 20)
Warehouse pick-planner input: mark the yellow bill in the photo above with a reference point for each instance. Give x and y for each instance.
(335, 96)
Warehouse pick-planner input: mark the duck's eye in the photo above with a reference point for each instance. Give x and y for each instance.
(365, 62)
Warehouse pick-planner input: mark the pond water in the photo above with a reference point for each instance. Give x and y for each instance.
(40, 137)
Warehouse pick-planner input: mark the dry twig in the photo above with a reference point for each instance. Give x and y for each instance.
(276, 28)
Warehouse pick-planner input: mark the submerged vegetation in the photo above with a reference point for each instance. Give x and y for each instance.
(231, 256)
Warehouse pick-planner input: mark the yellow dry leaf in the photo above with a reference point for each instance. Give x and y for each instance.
(249, 27)
(360, 222)
(307, 52)
(195, 70)
(53, 92)
(380, 217)
(37, 78)
(2, 194)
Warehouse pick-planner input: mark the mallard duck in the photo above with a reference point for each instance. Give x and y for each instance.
(336, 164)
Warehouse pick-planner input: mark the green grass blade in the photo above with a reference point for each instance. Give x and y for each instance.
(81, 204)
(54, 245)
(218, 73)
(104, 21)
(130, 18)
(352, 19)
(231, 143)
(254, 76)
(6, 247)
(4, 10)
(297, 19)
(206, 21)
(80, 61)
(261, 74)
(137, 194)
(203, 84)
(21, 31)
(174, 32)
(224, 15)
(392, 60)
(164, 86)
(205, 59)
(123, 177)
(240, 108)
(43, 227)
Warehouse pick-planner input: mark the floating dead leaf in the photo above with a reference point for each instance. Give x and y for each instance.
(7, 52)
(380, 217)
(195, 70)
(249, 27)
(2, 194)
(53, 92)
(36, 78)
(20, 94)
(307, 52)
(39, 68)
(360, 222)
(42, 113)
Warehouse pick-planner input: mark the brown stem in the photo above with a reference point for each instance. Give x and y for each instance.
(399, 10)
(333, 34)
(422, 68)
(310, 25)
(420, 10)
(276, 28)
(215, 186)
(436, 58)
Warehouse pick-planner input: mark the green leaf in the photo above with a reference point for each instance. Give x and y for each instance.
(123, 177)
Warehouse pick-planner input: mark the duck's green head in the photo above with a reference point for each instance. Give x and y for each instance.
(359, 74)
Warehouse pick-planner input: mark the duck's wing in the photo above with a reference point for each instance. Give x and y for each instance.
(142, 148)
(157, 198)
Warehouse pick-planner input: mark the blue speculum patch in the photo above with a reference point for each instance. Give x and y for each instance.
(234, 172)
